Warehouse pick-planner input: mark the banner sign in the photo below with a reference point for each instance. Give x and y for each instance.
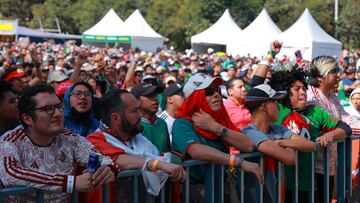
(99, 38)
(8, 27)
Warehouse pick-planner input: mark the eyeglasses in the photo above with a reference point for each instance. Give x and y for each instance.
(335, 71)
(50, 109)
(211, 91)
(78, 93)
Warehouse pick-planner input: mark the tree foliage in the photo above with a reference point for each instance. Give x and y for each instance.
(181, 19)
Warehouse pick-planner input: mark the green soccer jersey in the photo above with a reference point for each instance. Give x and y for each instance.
(157, 133)
(309, 123)
(184, 135)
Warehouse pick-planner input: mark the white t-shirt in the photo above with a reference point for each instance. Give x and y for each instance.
(169, 121)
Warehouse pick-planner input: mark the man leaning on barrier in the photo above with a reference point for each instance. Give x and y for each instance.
(120, 137)
(41, 154)
(203, 131)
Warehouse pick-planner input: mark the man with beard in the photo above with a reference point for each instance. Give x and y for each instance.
(119, 137)
(155, 129)
(41, 154)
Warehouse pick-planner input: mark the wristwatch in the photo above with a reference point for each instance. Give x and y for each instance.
(223, 132)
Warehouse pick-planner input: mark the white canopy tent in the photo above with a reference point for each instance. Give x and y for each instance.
(109, 29)
(143, 36)
(307, 36)
(218, 36)
(256, 37)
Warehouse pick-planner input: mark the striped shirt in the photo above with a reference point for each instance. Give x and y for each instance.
(23, 163)
(169, 121)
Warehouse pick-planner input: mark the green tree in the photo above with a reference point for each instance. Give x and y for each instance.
(19, 9)
(348, 26)
(51, 9)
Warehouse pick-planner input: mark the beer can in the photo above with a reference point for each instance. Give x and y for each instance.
(94, 162)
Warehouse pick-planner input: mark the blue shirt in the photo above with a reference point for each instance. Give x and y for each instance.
(276, 132)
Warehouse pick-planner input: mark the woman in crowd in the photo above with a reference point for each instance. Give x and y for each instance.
(78, 111)
(324, 80)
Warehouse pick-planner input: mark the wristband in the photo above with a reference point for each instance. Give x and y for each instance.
(70, 184)
(232, 162)
(223, 132)
(154, 165)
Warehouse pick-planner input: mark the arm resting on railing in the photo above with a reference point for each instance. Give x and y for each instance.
(298, 143)
(341, 132)
(206, 153)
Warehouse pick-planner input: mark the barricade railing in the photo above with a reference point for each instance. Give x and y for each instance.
(214, 179)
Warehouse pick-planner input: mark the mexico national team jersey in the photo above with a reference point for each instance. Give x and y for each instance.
(309, 123)
(157, 133)
(47, 168)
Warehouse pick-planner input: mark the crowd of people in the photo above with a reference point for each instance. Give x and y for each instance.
(151, 111)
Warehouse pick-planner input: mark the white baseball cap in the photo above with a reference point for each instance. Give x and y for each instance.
(200, 81)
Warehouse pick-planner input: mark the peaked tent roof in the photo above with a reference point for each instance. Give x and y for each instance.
(306, 30)
(306, 33)
(110, 25)
(222, 32)
(136, 25)
(257, 36)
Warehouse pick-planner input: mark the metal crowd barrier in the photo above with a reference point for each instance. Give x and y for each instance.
(214, 180)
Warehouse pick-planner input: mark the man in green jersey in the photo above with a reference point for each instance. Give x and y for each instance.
(155, 129)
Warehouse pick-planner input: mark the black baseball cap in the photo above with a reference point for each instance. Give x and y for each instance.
(144, 89)
(173, 89)
(261, 94)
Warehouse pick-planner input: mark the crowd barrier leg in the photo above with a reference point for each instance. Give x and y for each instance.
(348, 154)
(39, 196)
(75, 197)
(105, 194)
(135, 189)
(260, 187)
(219, 183)
(312, 177)
(186, 185)
(209, 183)
(326, 175)
(295, 180)
(240, 185)
(280, 179)
(341, 165)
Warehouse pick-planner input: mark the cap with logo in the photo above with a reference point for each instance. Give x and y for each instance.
(261, 94)
(200, 81)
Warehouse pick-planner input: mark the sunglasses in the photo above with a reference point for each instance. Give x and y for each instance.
(211, 91)
(335, 71)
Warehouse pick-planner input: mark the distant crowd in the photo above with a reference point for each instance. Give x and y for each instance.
(151, 111)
